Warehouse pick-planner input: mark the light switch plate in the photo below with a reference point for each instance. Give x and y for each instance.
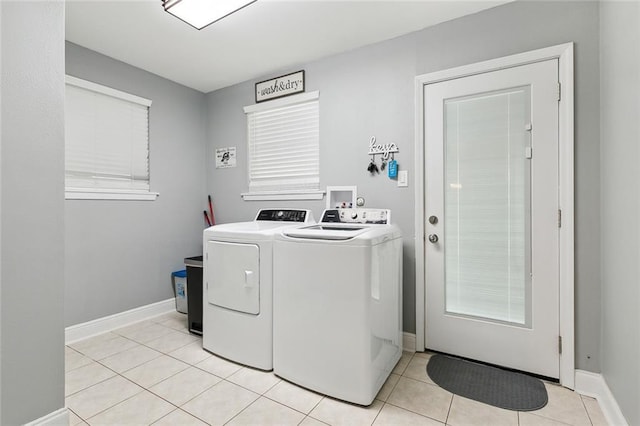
(403, 178)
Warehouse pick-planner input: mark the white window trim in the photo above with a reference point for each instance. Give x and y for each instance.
(98, 88)
(287, 100)
(98, 194)
(282, 195)
(107, 194)
(285, 195)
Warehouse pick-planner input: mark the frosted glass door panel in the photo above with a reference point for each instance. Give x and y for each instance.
(487, 206)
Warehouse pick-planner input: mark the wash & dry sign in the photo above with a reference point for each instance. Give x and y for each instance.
(284, 85)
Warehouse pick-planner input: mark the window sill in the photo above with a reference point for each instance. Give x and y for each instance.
(83, 194)
(283, 195)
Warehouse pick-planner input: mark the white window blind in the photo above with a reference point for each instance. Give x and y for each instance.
(283, 145)
(107, 141)
(487, 205)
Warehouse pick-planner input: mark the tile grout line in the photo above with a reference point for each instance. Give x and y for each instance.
(384, 403)
(186, 402)
(264, 395)
(125, 378)
(169, 413)
(93, 384)
(109, 408)
(193, 415)
(144, 388)
(419, 381)
(446, 420)
(99, 361)
(415, 412)
(259, 394)
(379, 411)
(586, 410)
(322, 397)
(243, 410)
(410, 357)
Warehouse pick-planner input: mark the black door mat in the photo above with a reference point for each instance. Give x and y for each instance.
(490, 385)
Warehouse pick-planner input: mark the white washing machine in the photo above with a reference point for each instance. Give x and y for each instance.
(337, 319)
(237, 311)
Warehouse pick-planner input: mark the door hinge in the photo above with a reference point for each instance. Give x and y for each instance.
(559, 91)
(560, 345)
(559, 218)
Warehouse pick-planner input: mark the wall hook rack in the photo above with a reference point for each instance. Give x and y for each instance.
(384, 149)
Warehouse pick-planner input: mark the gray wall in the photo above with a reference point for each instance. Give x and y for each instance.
(120, 254)
(620, 137)
(370, 91)
(528, 25)
(32, 219)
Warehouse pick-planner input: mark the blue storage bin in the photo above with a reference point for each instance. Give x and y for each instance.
(180, 289)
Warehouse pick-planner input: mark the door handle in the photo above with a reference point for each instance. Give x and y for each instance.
(433, 238)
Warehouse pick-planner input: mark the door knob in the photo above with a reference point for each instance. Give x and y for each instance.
(433, 238)
(433, 220)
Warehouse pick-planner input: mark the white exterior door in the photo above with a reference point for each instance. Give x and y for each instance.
(491, 199)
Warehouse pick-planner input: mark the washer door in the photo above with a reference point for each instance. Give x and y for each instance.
(233, 276)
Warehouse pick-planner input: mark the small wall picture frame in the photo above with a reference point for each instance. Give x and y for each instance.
(225, 157)
(285, 85)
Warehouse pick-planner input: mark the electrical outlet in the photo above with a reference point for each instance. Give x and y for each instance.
(403, 178)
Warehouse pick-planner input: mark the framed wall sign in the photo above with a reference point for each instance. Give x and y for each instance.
(225, 157)
(278, 87)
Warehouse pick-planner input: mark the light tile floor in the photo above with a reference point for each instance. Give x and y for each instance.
(155, 372)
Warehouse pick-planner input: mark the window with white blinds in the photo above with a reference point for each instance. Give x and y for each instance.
(106, 142)
(284, 148)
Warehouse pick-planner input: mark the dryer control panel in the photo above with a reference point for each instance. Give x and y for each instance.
(275, 215)
(368, 216)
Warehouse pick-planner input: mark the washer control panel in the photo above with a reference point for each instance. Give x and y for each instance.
(274, 215)
(368, 216)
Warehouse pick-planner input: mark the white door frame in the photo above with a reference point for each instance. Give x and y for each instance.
(564, 54)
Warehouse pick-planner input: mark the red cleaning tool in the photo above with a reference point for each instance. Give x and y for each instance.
(213, 218)
(206, 217)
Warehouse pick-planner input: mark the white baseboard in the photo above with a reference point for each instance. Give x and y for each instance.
(408, 342)
(57, 418)
(102, 325)
(594, 385)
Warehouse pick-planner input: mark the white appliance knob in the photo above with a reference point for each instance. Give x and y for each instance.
(354, 215)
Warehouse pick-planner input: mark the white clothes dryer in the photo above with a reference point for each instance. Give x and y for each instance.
(238, 286)
(337, 320)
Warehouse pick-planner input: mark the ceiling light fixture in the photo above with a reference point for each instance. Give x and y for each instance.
(201, 13)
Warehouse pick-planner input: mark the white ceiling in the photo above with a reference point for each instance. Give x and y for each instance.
(265, 37)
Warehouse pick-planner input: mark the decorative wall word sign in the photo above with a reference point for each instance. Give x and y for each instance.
(384, 149)
(225, 157)
(284, 85)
